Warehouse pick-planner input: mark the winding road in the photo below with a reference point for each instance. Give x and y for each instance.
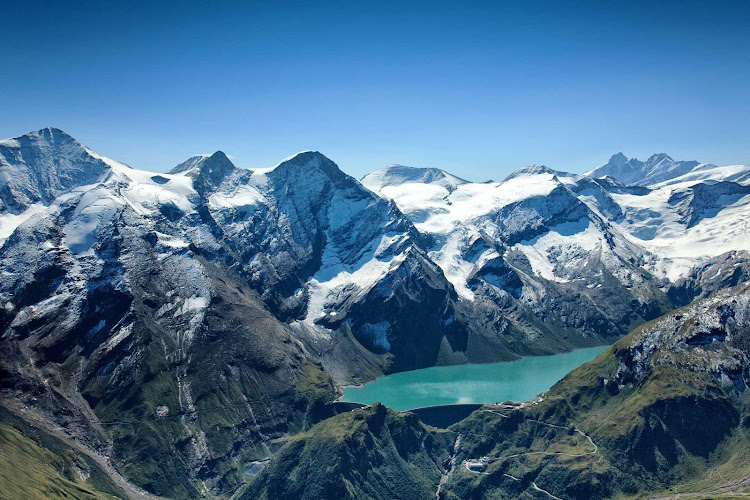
(487, 461)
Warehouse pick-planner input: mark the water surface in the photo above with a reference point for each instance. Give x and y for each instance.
(518, 380)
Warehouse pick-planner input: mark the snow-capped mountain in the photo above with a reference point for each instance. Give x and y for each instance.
(542, 239)
(684, 221)
(529, 248)
(662, 169)
(129, 296)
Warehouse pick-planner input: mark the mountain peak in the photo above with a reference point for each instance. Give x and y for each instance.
(617, 159)
(48, 135)
(217, 162)
(190, 163)
(304, 163)
(207, 172)
(627, 171)
(658, 158)
(55, 133)
(207, 163)
(41, 165)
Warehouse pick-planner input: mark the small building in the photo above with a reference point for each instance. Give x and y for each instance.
(476, 465)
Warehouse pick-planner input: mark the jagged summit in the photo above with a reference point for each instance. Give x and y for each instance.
(619, 167)
(207, 163)
(657, 168)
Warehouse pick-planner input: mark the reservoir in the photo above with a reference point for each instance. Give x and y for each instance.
(519, 380)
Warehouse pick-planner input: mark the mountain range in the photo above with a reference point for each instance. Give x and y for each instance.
(173, 330)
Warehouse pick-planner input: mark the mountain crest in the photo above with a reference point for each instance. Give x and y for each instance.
(395, 174)
(536, 170)
(190, 163)
(303, 166)
(658, 168)
(658, 158)
(41, 165)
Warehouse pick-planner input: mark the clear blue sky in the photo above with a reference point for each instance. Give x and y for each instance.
(477, 90)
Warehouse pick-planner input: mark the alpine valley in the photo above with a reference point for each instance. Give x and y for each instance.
(181, 334)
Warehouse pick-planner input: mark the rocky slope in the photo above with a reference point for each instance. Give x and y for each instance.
(667, 406)
(370, 453)
(136, 336)
(178, 323)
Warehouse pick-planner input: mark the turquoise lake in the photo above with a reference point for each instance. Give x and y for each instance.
(519, 380)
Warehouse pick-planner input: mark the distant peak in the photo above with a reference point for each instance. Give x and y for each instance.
(54, 131)
(41, 165)
(423, 174)
(204, 163)
(295, 156)
(216, 165)
(536, 170)
(659, 157)
(395, 174)
(618, 158)
(219, 156)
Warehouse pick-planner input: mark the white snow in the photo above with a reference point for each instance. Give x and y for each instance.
(96, 208)
(434, 209)
(9, 222)
(334, 276)
(109, 161)
(573, 243)
(194, 303)
(652, 223)
(144, 194)
(171, 241)
(457, 214)
(243, 196)
(709, 172)
(116, 339)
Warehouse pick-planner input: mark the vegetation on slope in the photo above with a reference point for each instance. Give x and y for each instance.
(368, 453)
(28, 471)
(667, 406)
(664, 411)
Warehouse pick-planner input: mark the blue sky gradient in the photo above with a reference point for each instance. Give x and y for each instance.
(478, 90)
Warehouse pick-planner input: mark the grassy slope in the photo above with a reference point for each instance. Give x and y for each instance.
(28, 471)
(369, 453)
(675, 427)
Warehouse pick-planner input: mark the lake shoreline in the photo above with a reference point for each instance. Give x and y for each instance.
(519, 380)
